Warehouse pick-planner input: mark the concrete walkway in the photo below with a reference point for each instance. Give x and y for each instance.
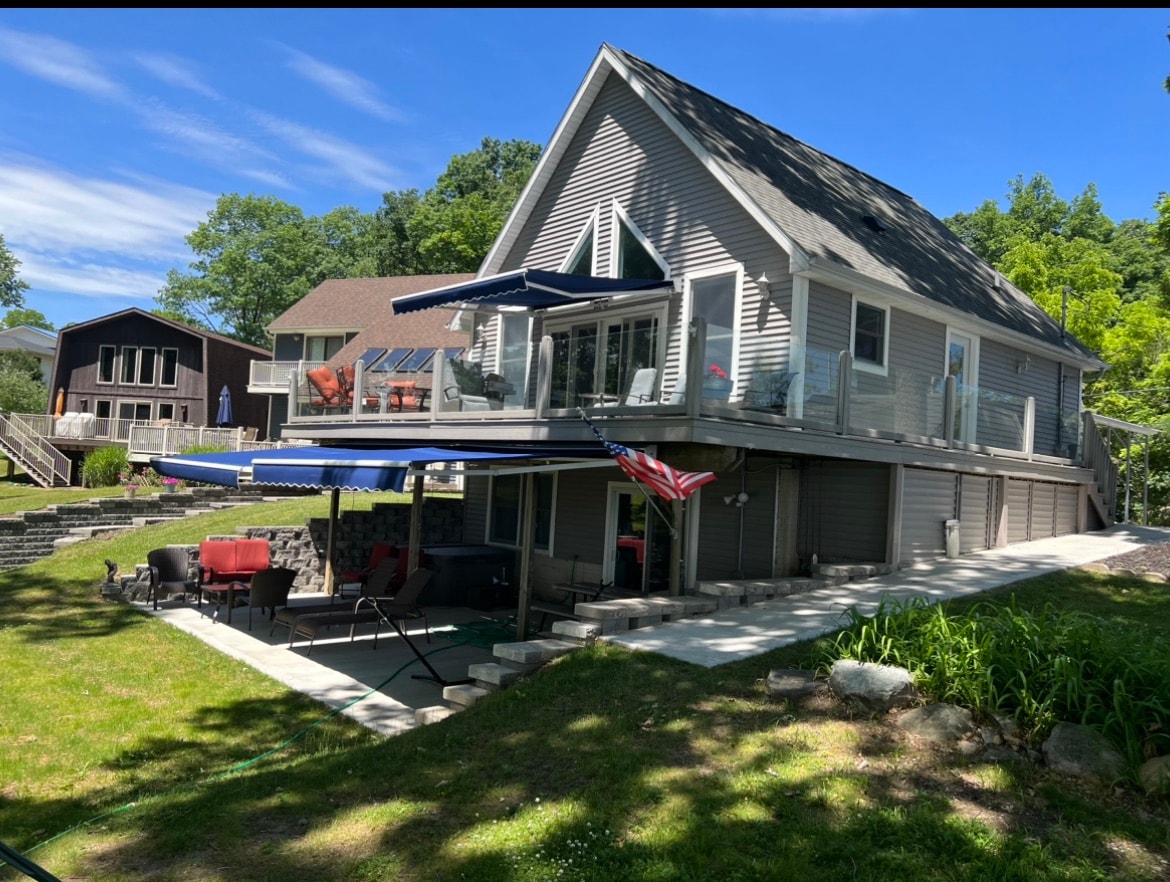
(382, 687)
(742, 632)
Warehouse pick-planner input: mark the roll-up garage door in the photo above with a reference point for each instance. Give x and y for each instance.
(976, 505)
(1019, 503)
(929, 499)
(1068, 500)
(1043, 517)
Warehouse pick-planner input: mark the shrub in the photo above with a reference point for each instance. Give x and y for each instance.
(104, 467)
(1039, 667)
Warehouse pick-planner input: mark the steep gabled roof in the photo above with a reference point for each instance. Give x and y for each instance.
(835, 221)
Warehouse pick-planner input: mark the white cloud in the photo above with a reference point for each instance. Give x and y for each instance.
(46, 272)
(46, 209)
(56, 61)
(346, 160)
(346, 87)
(175, 71)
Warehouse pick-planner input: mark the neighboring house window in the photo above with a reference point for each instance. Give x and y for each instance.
(147, 356)
(170, 368)
(106, 358)
(103, 408)
(129, 365)
(513, 356)
(870, 335)
(166, 410)
(322, 348)
(634, 257)
(602, 354)
(582, 256)
(715, 299)
(506, 510)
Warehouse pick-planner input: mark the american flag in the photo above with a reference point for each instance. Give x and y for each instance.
(669, 483)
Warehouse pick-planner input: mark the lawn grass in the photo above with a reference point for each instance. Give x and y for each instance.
(131, 751)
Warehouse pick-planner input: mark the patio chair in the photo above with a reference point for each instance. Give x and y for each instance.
(346, 377)
(269, 589)
(368, 609)
(642, 387)
(404, 605)
(326, 387)
(170, 570)
(361, 576)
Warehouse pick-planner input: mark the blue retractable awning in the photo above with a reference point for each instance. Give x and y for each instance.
(323, 468)
(529, 288)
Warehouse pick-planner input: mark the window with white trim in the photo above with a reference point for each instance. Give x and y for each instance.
(170, 367)
(599, 353)
(129, 365)
(107, 359)
(870, 335)
(633, 255)
(715, 299)
(147, 358)
(582, 260)
(506, 510)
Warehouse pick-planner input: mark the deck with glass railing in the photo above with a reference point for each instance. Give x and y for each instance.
(825, 392)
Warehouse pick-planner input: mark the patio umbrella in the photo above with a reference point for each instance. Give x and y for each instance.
(60, 402)
(224, 417)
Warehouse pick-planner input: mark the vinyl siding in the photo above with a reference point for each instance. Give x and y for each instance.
(623, 152)
(976, 504)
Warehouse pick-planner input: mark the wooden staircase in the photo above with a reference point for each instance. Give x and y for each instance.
(30, 450)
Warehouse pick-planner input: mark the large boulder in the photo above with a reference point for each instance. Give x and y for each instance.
(874, 688)
(938, 722)
(1082, 752)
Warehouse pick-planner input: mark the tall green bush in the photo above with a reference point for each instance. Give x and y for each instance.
(104, 466)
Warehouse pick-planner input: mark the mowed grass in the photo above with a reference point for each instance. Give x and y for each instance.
(132, 751)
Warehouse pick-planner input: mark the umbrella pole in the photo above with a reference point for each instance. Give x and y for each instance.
(331, 541)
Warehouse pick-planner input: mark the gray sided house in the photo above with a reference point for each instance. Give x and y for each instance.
(726, 298)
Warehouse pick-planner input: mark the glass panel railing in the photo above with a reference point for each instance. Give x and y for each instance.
(999, 417)
(818, 385)
(903, 402)
(1059, 432)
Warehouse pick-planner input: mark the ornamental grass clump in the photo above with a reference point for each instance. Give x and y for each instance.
(1039, 667)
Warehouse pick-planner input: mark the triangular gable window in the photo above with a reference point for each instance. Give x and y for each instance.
(581, 262)
(635, 257)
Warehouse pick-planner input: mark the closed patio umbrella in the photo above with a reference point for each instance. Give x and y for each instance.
(224, 417)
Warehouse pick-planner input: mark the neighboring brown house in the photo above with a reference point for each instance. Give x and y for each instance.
(342, 319)
(134, 365)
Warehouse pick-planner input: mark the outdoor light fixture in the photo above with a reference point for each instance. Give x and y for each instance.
(738, 498)
(764, 285)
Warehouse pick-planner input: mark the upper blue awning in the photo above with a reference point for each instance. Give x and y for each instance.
(323, 468)
(528, 288)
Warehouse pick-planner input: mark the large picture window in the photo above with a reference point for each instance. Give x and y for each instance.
(714, 299)
(599, 356)
(506, 510)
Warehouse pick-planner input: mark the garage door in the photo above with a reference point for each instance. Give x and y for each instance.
(929, 498)
(976, 504)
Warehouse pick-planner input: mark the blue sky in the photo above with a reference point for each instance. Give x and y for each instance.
(123, 127)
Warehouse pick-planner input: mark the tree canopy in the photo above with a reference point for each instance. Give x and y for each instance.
(1117, 278)
(256, 256)
(12, 287)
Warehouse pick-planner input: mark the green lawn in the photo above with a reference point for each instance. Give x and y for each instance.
(131, 751)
